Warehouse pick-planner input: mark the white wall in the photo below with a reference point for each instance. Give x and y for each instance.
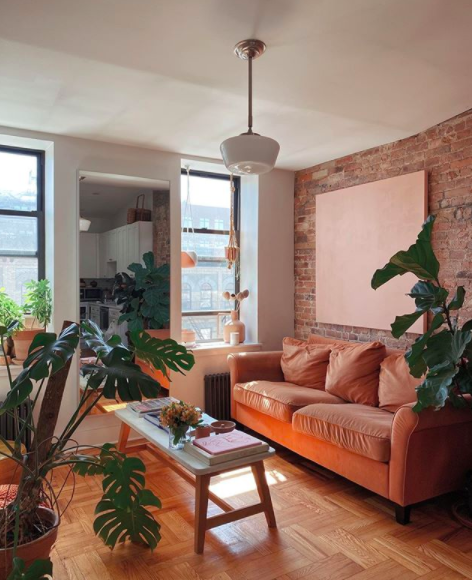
(270, 308)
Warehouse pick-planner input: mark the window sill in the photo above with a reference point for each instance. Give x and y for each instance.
(221, 348)
(14, 369)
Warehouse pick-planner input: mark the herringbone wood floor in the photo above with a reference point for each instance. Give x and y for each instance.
(328, 529)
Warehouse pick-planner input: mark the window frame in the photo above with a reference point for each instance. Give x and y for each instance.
(38, 213)
(222, 232)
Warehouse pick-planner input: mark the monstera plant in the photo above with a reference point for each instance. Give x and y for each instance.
(443, 354)
(144, 297)
(29, 515)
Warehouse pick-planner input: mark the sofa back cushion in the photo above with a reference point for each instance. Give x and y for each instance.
(305, 364)
(353, 372)
(396, 385)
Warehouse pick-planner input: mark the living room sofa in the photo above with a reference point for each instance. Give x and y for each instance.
(403, 456)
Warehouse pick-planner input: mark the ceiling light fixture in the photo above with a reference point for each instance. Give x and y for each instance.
(84, 224)
(249, 153)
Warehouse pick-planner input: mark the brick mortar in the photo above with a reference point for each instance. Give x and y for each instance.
(445, 152)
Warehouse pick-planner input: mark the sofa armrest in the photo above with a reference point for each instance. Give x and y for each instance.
(255, 366)
(424, 459)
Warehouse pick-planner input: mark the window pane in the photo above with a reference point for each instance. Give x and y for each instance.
(206, 245)
(203, 286)
(18, 235)
(206, 327)
(18, 181)
(211, 201)
(15, 273)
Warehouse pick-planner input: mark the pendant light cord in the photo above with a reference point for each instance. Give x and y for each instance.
(249, 120)
(188, 212)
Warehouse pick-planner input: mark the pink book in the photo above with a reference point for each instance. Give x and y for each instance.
(218, 444)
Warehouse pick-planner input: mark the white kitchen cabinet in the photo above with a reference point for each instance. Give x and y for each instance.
(120, 247)
(94, 312)
(89, 255)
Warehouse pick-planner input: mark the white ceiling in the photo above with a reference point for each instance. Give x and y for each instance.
(338, 75)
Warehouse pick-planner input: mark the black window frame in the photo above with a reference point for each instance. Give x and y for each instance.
(237, 221)
(38, 213)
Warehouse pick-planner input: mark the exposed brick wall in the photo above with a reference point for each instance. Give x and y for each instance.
(445, 151)
(161, 228)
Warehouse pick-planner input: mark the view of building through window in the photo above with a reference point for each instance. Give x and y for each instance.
(203, 308)
(20, 220)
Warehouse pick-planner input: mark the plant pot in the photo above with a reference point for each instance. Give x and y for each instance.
(161, 333)
(37, 550)
(234, 325)
(22, 340)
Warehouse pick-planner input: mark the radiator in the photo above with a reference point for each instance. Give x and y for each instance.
(218, 396)
(9, 429)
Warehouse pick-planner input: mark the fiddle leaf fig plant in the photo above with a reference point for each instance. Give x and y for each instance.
(442, 356)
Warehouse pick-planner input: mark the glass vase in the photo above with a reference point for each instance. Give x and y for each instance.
(178, 437)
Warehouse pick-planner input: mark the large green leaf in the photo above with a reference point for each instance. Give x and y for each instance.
(123, 480)
(419, 259)
(414, 356)
(458, 300)
(118, 374)
(114, 524)
(38, 570)
(403, 323)
(428, 296)
(49, 353)
(95, 464)
(162, 354)
(20, 390)
(95, 339)
(434, 391)
(446, 347)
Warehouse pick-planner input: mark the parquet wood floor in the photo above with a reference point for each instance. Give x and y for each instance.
(328, 529)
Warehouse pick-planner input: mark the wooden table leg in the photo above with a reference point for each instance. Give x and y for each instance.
(264, 493)
(123, 437)
(201, 508)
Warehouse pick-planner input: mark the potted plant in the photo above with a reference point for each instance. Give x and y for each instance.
(11, 315)
(29, 520)
(145, 297)
(442, 356)
(37, 311)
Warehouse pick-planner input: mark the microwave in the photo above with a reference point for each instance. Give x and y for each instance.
(90, 294)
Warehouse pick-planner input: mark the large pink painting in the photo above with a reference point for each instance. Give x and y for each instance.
(357, 230)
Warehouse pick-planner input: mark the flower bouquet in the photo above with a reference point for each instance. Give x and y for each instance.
(178, 417)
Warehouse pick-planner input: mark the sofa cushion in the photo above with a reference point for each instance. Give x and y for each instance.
(358, 428)
(279, 400)
(396, 385)
(304, 364)
(353, 372)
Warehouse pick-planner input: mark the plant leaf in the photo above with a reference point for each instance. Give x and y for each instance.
(38, 570)
(114, 524)
(414, 356)
(446, 347)
(385, 274)
(95, 339)
(403, 323)
(162, 354)
(49, 353)
(427, 295)
(123, 480)
(20, 391)
(458, 299)
(120, 374)
(434, 391)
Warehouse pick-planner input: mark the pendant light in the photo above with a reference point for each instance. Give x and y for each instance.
(249, 153)
(84, 224)
(188, 258)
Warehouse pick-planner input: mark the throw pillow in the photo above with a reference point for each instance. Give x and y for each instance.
(396, 385)
(304, 364)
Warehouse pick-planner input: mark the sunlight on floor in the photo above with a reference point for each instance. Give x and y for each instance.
(241, 481)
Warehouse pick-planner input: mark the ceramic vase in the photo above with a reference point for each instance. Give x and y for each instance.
(234, 325)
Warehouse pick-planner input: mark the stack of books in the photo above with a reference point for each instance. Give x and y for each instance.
(141, 408)
(217, 449)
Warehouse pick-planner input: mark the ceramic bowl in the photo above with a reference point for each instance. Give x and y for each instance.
(223, 426)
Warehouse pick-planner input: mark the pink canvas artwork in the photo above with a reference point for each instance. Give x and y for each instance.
(218, 444)
(358, 229)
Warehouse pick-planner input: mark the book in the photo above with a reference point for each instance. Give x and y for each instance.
(208, 459)
(155, 419)
(233, 441)
(149, 406)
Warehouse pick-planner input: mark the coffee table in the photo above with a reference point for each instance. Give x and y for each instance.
(199, 475)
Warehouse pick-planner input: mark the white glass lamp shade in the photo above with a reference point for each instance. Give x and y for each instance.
(249, 154)
(188, 259)
(84, 225)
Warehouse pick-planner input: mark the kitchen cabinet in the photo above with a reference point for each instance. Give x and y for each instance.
(94, 313)
(89, 255)
(120, 247)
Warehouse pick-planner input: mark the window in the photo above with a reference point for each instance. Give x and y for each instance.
(21, 219)
(187, 223)
(203, 308)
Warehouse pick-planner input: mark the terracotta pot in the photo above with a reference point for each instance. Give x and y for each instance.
(37, 550)
(162, 333)
(234, 325)
(23, 340)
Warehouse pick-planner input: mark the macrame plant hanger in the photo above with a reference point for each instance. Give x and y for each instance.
(189, 257)
(232, 249)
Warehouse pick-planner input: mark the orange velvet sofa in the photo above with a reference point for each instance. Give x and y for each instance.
(404, 456)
